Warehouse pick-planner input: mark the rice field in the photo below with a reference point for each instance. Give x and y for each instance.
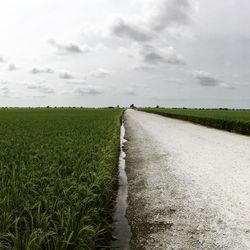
(231, 120)
(58, 171)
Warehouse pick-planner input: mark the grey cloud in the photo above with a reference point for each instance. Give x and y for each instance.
(134, 89)
(168, 55)
(5, 91)
(132, 31)
(207, 80)
(42, 71)
(130, 92)
(33, 87)
(175, 81)
(100, 73)
(71, 48)
(146, 68)
(77, 82)
(46, 90)
(4, 88)
(66, 75)
(171, 12)
(164, 14)
(3, 82)
(152, 57)
(41, 88)
(2, 59)
(90, 91)
(12, 67)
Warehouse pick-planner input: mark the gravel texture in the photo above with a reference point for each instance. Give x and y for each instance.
(189, 186)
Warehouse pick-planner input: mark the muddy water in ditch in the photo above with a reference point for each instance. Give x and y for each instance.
(122, 233)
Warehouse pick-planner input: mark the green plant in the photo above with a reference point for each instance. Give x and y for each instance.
(231, 120)
(58, 169)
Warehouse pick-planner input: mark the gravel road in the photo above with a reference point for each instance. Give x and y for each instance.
(189, 186)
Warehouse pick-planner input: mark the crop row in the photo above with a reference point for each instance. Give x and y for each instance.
(233, 121)
(58, 170)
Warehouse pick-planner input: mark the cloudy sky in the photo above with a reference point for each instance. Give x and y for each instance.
(193, 53)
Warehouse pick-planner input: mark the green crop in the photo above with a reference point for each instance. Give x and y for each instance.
(231, 120)
(58, 170)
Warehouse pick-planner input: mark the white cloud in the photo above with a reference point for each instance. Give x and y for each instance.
(175, 81)
(100, 73)
(227, 86)
(42, 71)
(77, 82)
(4, 91)
(88, 90)
(70, 48)
(12, 67)
(130, 92)
(134, 89)
(81, 78)
(144, 67)
(3, 82)
(41, 88)
(151, 42)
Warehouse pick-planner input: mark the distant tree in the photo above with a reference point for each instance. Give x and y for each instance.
(48, 107)
(132, 106)
(157, 106)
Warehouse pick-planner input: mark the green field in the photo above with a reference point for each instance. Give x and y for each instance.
(231, 120)
(58, 171)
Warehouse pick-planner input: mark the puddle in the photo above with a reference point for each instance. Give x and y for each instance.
(122, 232)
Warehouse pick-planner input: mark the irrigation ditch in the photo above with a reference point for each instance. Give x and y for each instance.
(122, 231)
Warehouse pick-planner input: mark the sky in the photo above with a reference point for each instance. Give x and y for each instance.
(172, 53)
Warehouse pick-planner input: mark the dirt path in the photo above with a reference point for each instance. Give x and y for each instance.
(189, 186)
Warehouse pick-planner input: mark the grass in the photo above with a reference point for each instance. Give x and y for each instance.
(58, 170)
(231, 120)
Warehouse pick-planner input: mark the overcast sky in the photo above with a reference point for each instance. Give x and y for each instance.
(193, 53)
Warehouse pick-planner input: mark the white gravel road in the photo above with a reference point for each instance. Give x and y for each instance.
(189, 185)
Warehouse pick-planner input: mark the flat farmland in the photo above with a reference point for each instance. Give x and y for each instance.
(231, 120)
(58, 171)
